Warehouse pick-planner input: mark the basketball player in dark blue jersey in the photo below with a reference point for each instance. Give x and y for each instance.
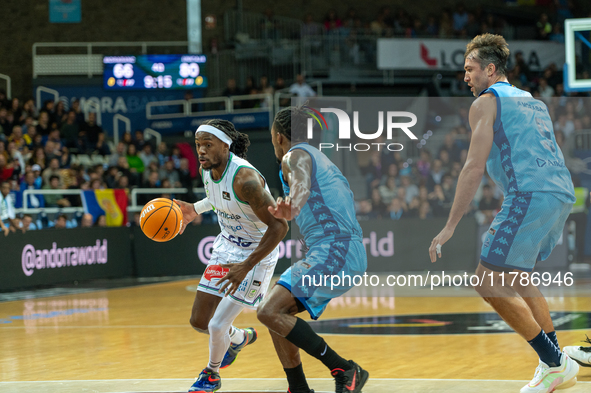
(318, 197)
(512, 137)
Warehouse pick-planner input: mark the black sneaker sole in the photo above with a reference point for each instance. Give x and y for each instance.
(363, 377)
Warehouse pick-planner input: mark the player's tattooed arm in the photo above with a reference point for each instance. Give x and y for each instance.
(249, 187)
(297, 169)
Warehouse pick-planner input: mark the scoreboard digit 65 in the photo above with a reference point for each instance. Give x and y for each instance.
(154, 72)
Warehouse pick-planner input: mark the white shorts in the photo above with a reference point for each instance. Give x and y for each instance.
(254, 287)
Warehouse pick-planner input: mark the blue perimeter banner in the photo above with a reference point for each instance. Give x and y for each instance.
(65, 11)
(132, 104)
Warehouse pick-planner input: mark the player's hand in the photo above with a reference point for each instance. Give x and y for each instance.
(189, 213)
(440, 240)
(284, 209)
(234, 277)
(6, 231)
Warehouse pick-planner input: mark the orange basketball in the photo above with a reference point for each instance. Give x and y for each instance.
(161, 219)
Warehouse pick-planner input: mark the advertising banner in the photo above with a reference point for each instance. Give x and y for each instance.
(390, 246)
(189, 253)
(437, 54)
(55, 256)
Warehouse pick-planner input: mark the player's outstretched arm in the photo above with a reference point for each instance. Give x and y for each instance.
(249, 187)
(482, 119)
(297, 169)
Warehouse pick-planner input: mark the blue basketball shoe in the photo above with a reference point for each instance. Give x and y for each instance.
(230, 356)
(208, 381)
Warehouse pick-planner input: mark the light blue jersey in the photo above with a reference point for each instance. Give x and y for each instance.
(524, 156)
(527, 164)
(330, 209)
(331, 232)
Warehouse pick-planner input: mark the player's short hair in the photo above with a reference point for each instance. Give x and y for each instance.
(491, 48)
(292, 123)
(240, 141)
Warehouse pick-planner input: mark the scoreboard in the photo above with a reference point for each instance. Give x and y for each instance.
(154, 72)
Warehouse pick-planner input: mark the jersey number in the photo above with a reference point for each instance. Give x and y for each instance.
(548, 143)
(239, 241)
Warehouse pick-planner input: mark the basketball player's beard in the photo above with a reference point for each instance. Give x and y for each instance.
(212, 166)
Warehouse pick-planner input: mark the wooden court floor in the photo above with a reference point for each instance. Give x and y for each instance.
(138, 340)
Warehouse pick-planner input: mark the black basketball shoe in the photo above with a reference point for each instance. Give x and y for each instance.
(350, 381)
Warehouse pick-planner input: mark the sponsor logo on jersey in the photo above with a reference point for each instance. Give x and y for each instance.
(227, 216)
(252, 293)
(226, 195)
(256, 283)
(215, 272)
(542, 163)
(492, 231)
(230, 227)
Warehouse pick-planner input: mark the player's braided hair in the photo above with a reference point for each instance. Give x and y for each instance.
(292, 123)
(240, 141)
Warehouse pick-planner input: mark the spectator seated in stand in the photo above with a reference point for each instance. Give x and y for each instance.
(55, 200)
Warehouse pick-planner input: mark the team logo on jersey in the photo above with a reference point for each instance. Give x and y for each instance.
(226, 195)
(215, 272)
(252, 294)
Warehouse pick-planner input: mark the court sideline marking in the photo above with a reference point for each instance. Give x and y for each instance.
(282, 379)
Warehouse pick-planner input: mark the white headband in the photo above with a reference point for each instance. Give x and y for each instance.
(222, 136)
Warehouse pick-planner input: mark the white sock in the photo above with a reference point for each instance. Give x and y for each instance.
(236, 335)
(219, 332)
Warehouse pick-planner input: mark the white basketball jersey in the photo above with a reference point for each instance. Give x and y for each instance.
(237, 221)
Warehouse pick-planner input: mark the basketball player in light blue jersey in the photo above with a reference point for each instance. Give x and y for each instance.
(513, 138)
(319, 198)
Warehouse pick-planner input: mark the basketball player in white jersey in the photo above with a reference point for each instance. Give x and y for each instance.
(248, 243)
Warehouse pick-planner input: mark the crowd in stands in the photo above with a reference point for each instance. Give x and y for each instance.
(401, 189)
(457, 22)
(38, 149)
(298, 89)
(38, 146)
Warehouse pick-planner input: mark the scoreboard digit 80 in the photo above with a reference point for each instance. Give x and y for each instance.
(154, 72)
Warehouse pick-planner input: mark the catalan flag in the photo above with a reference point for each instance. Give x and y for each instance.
(110, 203)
